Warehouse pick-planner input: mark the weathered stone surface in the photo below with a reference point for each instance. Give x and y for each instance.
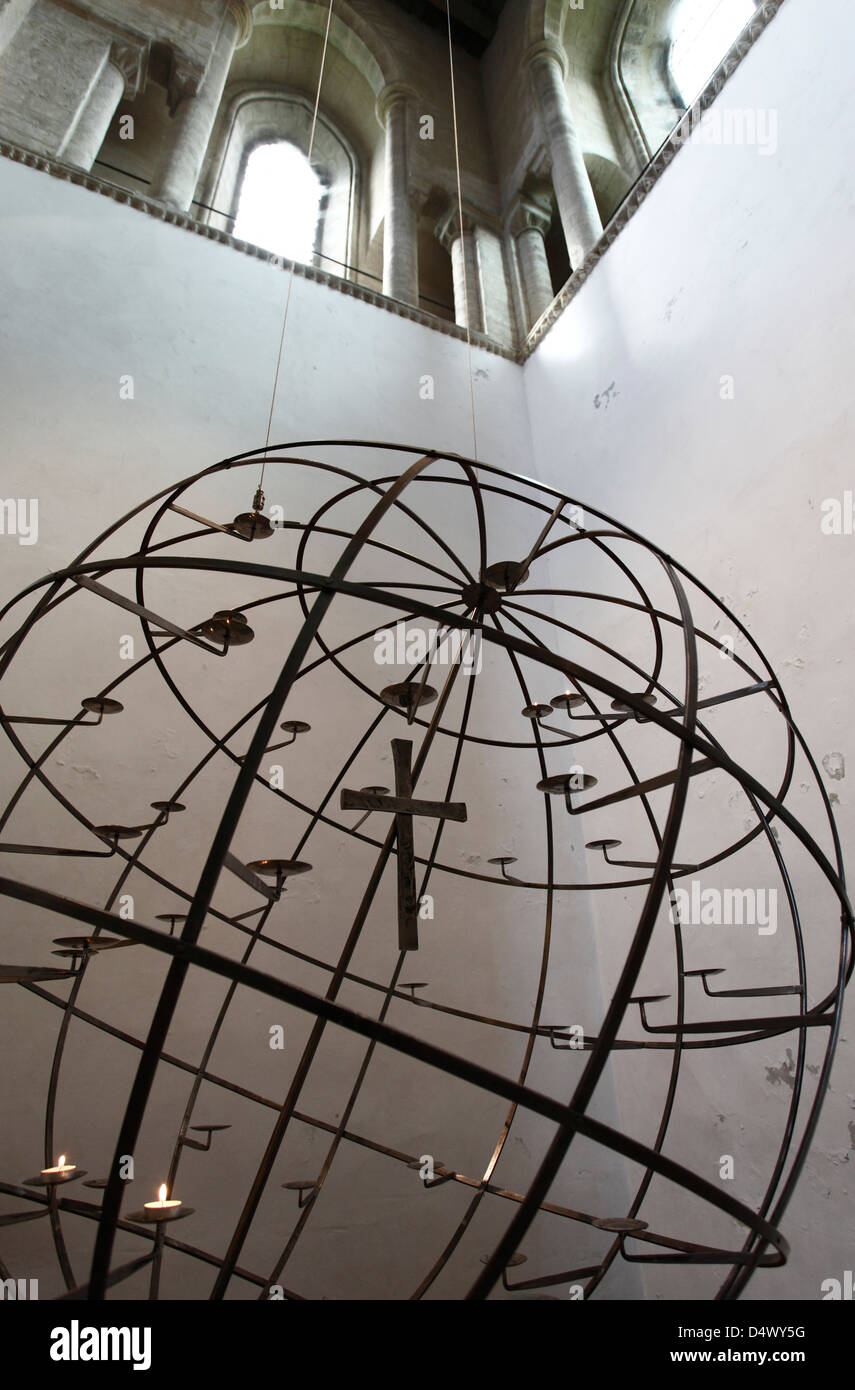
(168, 98)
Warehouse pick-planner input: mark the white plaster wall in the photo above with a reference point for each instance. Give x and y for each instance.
(739, 264)
(94, 291)
(198, 326)
(736, 265)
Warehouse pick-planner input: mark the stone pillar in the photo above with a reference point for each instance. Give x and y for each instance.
(12, 15)
(528, 223)
(400, 220)
(574, 195)
(497, 318)
(89, 130)
(461, 246)
(181, 160)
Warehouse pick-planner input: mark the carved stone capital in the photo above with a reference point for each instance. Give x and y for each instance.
(546, 51)
(242, 13)
(130, 56)
(391, 95)
(448, 229)
(185, 80)
(527, 213)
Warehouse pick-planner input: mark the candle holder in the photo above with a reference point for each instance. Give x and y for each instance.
(254, 525)
(416, 984)
(165, 810)
(31, 974)
(537, 712)
(172, 918)
(566, 784)
(229, 627)
(438, 1180)
(503, 860)
(308, 1191)
(561, 1039)
(567, 700)
(93, 704)
(294, 727)
(279, 870)
(606, 845)
(615, 617)
(89, 945)
(202, 1129)
(513, 1263)
(115, 833)
(627, 711)
(56, 1176)
(407, 696)
(619, 1225)
(163, 1210)
(101, 705)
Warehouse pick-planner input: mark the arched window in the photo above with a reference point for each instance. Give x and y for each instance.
(280, 202)
(261, 124)
(703, 33)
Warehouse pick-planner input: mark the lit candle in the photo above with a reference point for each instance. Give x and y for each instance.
(61, 1170)
(60, 1173)
(164, 1209)
(162, 1204)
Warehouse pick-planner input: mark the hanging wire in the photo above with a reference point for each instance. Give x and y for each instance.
(460, 223)
(291, 276)
(280, 352)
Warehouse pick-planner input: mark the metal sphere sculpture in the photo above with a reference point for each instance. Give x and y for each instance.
(424, 619)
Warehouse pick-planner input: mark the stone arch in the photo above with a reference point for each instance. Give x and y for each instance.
(356, 39)
(639, 77)
(266, 115)
(349, 140)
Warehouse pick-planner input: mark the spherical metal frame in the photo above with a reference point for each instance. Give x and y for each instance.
(646, 700)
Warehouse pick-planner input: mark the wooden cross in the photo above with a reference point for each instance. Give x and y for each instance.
(404, 807)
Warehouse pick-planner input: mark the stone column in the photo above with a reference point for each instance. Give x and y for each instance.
(181, 160)
(461, 245)
(574, 195)
(90, 129)
(400, 221)
(528, 223)
(497, 319)
(12, 15)
(122, 74)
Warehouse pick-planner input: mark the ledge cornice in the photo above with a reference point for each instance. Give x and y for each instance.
(765, 13)
(154, 208)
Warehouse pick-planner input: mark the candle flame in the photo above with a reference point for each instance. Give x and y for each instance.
(61, 1163)
(161, 1192)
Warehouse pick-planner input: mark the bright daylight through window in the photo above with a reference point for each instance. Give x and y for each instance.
(280, 202)
(704, 32)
